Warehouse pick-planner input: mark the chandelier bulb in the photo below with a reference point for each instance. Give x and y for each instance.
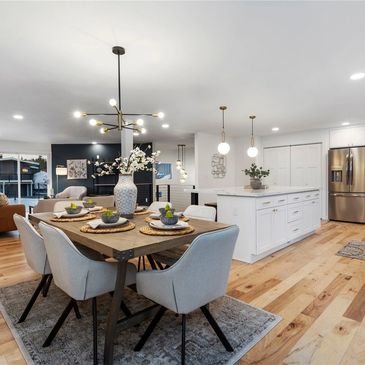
(140, 122)
(103, 130)
(77, 114)
(113, 102)
(93, 122)
(143, 130)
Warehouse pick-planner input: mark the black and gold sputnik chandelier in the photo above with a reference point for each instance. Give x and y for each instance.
(120, 123)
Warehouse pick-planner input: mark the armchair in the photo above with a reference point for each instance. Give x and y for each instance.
(73, 192)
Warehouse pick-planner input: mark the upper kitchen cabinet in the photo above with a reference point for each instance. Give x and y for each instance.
(347, 137)
(277, 160)
(305, 164)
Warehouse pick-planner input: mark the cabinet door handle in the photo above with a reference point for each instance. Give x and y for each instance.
(313, 202)
(297, 211)
(274, 210)
(296, 229)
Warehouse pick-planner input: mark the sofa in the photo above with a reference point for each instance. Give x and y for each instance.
(6, 216)
(47, 205)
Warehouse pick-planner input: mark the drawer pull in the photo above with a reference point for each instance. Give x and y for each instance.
(297, 211)
(296, 198)
(313, 202)
(282, 200)
(296, 229)
(266, 202)
(307, 196)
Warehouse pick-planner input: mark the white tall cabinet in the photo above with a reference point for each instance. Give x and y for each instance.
(278, 161)
(297, 165)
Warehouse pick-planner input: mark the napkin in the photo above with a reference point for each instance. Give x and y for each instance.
(96, 208)
(59, 214)
(94, 223)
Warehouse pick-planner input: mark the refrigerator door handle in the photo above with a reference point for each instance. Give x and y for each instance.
(351, 171)
(347, 169)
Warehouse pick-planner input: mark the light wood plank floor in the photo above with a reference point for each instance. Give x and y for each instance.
(320, 296)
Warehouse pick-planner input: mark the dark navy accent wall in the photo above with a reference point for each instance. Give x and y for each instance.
(107, 152)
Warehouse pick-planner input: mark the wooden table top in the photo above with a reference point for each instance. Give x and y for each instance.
(125, 245)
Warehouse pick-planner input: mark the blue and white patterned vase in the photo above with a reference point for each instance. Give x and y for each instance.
(125, 195)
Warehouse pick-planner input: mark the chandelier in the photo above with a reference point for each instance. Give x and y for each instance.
(120, 123)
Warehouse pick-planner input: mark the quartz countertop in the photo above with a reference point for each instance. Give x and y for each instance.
(242, 192)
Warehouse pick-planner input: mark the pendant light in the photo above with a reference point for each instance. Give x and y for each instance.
(223, 147)
(252, 151)
(180, 162)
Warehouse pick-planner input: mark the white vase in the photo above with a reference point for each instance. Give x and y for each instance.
(125, 195)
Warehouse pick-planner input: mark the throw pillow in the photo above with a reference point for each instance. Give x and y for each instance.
(3, 200)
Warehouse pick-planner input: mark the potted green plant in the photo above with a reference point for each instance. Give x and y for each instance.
(256, 174)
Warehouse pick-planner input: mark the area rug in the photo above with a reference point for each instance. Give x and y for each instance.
(353, 249)
(243, 325)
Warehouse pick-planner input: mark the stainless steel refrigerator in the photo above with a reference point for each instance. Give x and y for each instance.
(346, 184)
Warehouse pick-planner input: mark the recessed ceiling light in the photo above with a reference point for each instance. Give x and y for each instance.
(94, 142)
(357, 76)
(18, 116)
(165, 125)
(275, 129)
(345, 123)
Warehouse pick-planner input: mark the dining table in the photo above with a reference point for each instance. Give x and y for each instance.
(124, 246)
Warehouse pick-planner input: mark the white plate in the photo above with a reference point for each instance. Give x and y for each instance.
(66, 215)
(155, 215)
(95, 209)
(139, 209)
(160, 225)
(98, 223)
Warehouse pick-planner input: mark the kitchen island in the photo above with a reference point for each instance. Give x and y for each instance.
(269, 219)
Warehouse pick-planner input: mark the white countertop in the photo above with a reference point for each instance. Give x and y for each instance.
(240, 191)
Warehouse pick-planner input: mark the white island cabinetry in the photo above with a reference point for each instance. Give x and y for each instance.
(269, 219)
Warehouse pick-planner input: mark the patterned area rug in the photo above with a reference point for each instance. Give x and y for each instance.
(353, 249)
(243, 325)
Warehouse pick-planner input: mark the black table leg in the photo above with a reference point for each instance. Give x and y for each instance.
(114, 313)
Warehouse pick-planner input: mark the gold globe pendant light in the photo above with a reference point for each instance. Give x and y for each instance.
(252, 151)
(223, 147)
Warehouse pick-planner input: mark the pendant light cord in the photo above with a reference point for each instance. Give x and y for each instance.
(223, 132)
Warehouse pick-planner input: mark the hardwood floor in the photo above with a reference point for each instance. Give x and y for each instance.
(320, 296)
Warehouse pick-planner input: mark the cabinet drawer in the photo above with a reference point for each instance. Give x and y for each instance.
(281, 200)
(295, 198)
(262, 203)
(295, 213)
(295, 229)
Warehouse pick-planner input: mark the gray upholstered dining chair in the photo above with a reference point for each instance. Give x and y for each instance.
(199, 277)
(169, 257)
(155, 206)
(36, 257)
(78, 276)
(61, 205)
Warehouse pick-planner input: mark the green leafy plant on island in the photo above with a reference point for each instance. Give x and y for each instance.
(256, 173)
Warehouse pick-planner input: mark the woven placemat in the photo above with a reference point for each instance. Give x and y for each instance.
(149, 219)
(76, 219)
(159, 232)
(126, 227)
(143, 212)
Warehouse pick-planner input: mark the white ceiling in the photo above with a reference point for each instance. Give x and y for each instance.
(287, 62)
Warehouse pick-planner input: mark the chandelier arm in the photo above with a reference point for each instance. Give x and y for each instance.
(114, 114)
(119, 89)
(137, 114)
(110, 125)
